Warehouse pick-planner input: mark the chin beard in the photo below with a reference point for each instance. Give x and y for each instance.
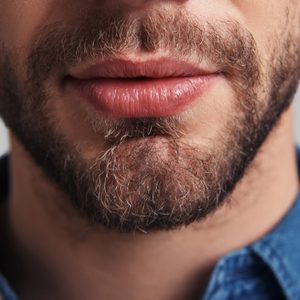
(148, 178)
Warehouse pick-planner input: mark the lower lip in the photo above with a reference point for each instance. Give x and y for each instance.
(128, 98)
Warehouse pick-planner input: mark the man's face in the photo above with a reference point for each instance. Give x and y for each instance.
(149, 170)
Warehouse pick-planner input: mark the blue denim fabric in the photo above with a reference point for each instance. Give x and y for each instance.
(6, 293)
(268, 269)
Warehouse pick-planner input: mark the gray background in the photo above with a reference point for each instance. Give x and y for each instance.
(4, 145)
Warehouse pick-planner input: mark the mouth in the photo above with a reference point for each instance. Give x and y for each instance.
(121, 88)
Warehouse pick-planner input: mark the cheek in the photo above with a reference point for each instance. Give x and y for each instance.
(19, 23)
(266, 20)
(270, 22)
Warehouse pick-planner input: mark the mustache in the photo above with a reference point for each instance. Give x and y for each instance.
(97, 35)
(225, 44)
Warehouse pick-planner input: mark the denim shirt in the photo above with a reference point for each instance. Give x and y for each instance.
(269, 268)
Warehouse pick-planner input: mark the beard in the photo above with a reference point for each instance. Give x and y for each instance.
(147, 176)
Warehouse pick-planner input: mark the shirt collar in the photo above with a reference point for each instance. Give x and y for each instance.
(280, 249)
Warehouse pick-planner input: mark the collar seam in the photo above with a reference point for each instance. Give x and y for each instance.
(274, 261)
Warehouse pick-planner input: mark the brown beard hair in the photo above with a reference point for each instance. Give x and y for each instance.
(147, 178)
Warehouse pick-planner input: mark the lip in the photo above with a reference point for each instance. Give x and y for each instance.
(121, 88)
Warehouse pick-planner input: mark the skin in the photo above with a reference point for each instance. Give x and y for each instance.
(76, 261)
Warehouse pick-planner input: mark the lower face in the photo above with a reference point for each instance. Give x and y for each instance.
(154, 170)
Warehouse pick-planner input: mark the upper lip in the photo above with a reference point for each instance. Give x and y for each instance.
(125, 68)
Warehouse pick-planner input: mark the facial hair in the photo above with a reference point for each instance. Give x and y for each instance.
(148, 177)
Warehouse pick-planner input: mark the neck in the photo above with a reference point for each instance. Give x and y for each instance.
(74, 261)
